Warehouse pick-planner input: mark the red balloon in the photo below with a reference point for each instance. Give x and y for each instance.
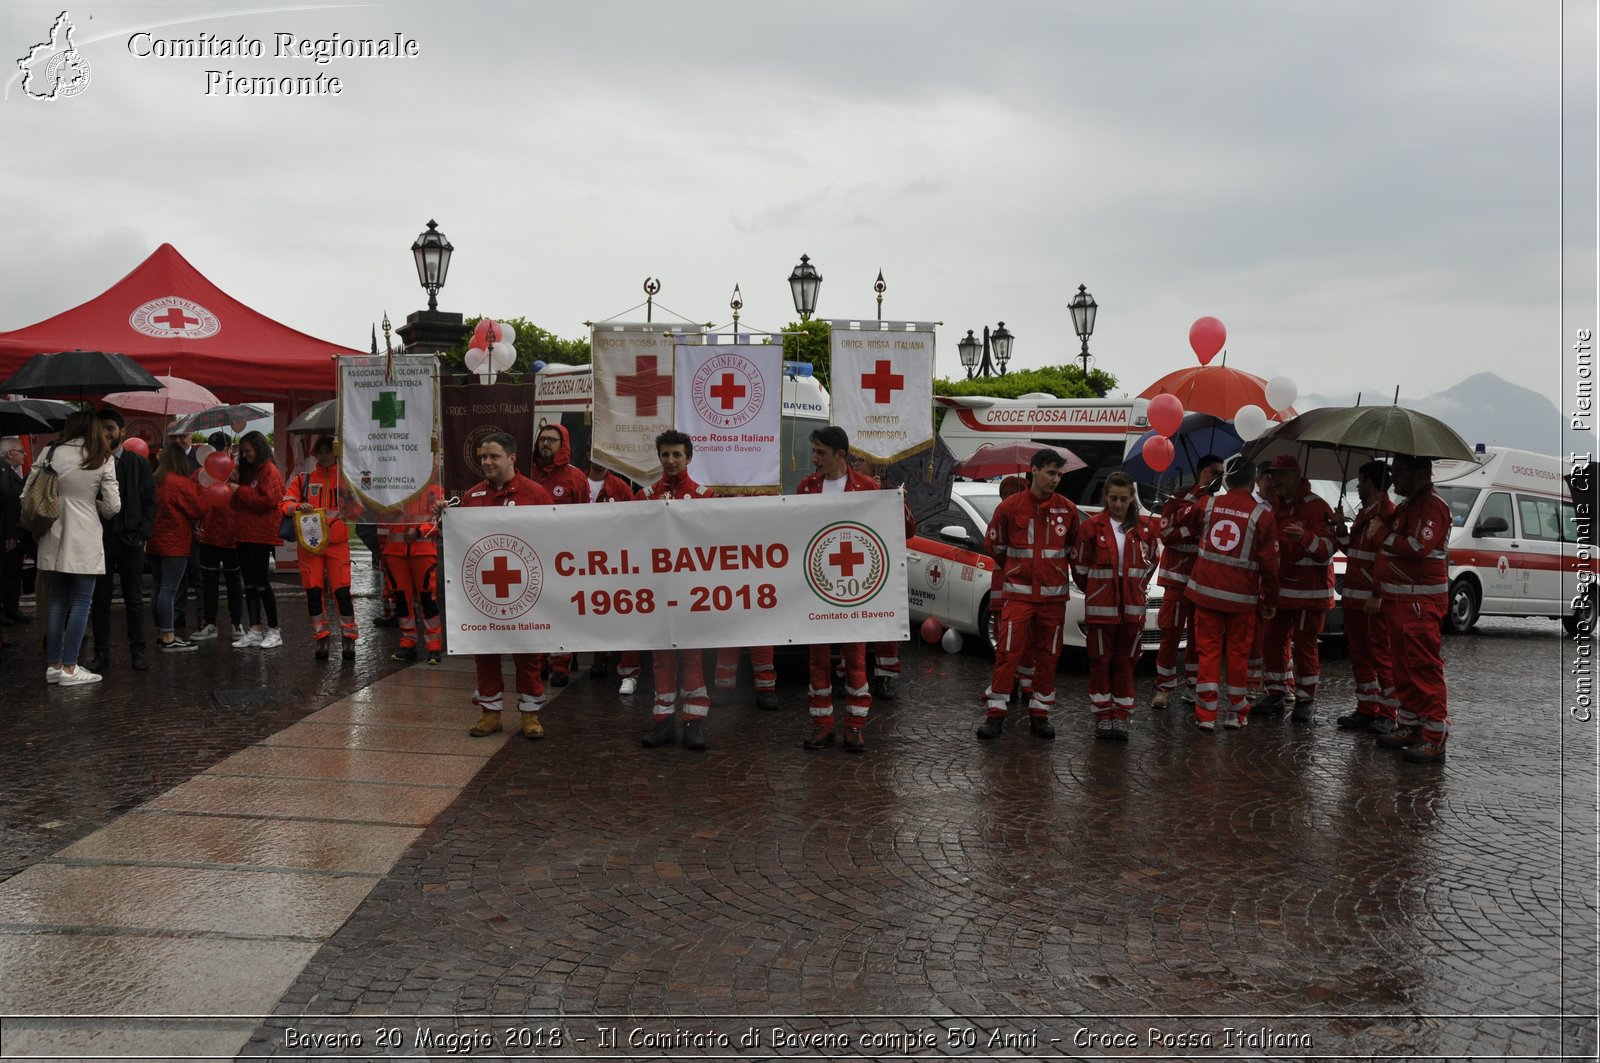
(1165, 413)
(218, 494)
(932, 630)
(219, 466)
(1207, 336)
(1158, 452)
(482, 336)
(135, 445)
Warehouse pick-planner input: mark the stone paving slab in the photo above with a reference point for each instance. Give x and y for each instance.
(176, 838)
(352, 765)
(385, 738)
(308, 799)
(159, 1041)
(400, 711)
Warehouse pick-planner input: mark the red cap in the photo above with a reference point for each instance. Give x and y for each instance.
(1285, 461)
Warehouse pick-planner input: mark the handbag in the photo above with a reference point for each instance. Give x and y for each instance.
(41, 498)
(286, 525)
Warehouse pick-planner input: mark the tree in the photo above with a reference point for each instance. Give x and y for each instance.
(533, 344)
(811, 341)
(1063, 381)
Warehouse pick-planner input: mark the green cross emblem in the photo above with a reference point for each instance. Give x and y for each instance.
(386, 411)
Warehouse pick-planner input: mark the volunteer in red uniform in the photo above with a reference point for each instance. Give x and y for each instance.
(1412, 573)
(675, 450)
(1263, 494)
(329, 567)
(1305, 592)
(1035, 532)
(606, 486)
(502, 485)
(257, 494)
(178, 507)
(1112, 565)
(553, 471)
(1365, 633)
(411, 560)
(1235, 569)
(997, 600)
(1176, 616)
(830, 454)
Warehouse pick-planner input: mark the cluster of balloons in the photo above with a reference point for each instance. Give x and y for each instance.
(1166, 417)
(214, 474)
(932, 631)
(1250, 421)
(492, 350)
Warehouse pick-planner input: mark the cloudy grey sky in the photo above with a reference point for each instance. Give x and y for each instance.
(1367, 193)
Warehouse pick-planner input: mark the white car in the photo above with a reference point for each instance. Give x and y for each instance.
(948, 572)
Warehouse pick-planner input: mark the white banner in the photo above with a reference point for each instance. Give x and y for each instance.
(632, 397)
(729, 400)
(779, 570)
(882, 387)
(388, 424)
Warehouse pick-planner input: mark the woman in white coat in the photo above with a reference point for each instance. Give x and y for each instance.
(72, 551)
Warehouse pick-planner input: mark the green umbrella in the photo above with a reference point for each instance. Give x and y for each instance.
(1386, 429)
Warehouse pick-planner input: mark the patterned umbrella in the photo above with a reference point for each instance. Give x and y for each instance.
(217, 417)
(176, 397)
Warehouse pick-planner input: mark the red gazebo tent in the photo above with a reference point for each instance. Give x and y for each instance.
(171, 319)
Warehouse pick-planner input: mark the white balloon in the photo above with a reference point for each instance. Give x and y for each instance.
(951, 641)
(1250, 422)
(507, 333)
(477, 357)
(502, 355)
(1281, 393)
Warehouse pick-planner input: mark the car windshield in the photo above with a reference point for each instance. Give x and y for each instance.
(1460, 500)
(984, 505)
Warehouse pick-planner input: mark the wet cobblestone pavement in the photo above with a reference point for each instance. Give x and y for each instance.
(936, 896)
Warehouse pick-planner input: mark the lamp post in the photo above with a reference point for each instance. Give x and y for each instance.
(1083, 309)
(804, 284)
(432, 331)
(996, 349)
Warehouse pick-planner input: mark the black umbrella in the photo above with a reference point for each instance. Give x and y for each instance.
(17, 420)
(926, 478)
(52, 411)
(323, 417)
(75, 374)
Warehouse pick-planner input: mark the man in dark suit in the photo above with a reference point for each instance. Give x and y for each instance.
(11, 530)
(125, 535)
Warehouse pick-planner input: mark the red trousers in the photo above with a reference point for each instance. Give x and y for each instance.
(1297, 629)
(1220, 635)
(857, 694)
(413, 578)
(1368, 639)
(530, 687)
(760, 663)
(628, 664)
(886, 659)
(696, 702)
(1028, 625)
(1416, 643)
(1175, 619)
(1113, 651)
(331, 568)
(1024, 673)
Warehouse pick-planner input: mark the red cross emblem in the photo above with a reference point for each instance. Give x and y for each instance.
(846, 558)
(725, 391)
(176, 319)
(883, 382)
(501, 576)
(1225, 535)
(645, 386)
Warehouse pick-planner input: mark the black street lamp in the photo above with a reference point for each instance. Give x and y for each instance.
(996, 348)
(804, 284)
(1083, 309)
(432, 251)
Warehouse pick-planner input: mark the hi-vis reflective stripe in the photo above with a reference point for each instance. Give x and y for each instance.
(1052, 553)
(1183, 548)
(1312, 562)
(1111, 611)
(1361, 555)
(1101, 573)
(1413, 589)
(1227, 596)
(1051, 591)
(1318, 594)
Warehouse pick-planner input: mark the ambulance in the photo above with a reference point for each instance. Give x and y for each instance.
(565, 394)
(1519, 542)
(1099, 431)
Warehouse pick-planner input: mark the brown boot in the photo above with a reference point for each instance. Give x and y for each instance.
(531, 727)
(1159, 701)
(488, 724)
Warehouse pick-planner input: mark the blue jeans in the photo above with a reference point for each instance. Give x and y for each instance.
(169, 573)
(70, 596)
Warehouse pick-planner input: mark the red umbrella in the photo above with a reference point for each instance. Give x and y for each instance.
(1217, 390)
(1010, 459)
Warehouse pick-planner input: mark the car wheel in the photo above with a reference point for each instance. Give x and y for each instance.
(1463, 609)
(1582, 621)
(989, 624)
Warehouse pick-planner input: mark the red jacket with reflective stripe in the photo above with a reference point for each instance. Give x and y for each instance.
(676, 487)
(319, 487)
(1306, 573)
(517, 491)
(1113, 593)
(1361, 548)
(1413, 563)
(1236, 554)
(1033, 542)
(1177, 552)
(565, 484)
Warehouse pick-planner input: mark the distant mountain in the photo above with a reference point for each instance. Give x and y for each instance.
(1484, 409)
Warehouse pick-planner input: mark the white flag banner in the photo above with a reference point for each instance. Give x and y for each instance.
(779, 570)
(632, 396)
(388, 422)
(729, 400)
(882, 386)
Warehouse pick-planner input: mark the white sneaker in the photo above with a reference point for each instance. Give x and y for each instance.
(251, 637)
(238, 629)
(82, 677)
(1230, 720)
(628, 686)
(52, 675)
(272, 639)
(207, 632)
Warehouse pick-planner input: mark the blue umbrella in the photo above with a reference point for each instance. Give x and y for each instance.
(1198, 434)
